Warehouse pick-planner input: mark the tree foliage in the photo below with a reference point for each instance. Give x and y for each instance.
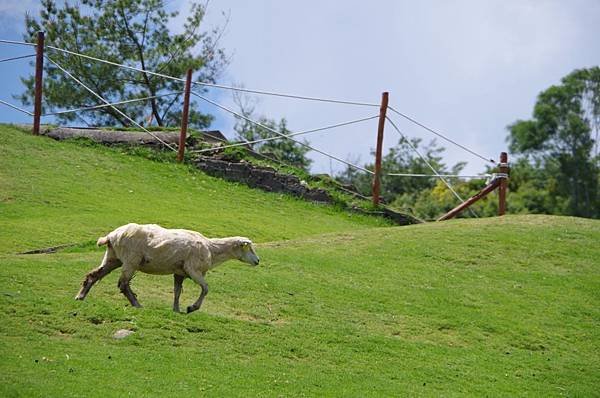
(534, 188)
(425, 198)
(557, 171)
(431, 203)
(401, 158)
(561, 140)
(131, 32)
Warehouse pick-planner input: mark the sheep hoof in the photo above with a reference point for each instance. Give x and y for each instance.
(191, 308)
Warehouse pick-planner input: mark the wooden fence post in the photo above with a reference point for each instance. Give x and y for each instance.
(500, 182)
(481, 194)
(377, 176)
(39, 82)
(185, 116)
(502, 188)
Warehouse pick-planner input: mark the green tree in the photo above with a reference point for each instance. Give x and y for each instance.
(130, 32)
(425, 198)
(401, 158)
(534, 188)
(561, 138)
(431, 203)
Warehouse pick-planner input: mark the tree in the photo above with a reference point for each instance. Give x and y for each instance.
(431, 203)
(282, 149)
(401, 159)
(425, 198)
(130, 32)
(534, 189)
(561, 138)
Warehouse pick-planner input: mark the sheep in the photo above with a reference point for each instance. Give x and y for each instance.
(155, 250)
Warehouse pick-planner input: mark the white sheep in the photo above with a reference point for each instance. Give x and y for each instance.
(160, 251)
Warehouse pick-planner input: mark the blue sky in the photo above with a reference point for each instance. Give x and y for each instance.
(467, 68)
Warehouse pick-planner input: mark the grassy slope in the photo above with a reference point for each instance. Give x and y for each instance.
(496, 307)
(54, 193)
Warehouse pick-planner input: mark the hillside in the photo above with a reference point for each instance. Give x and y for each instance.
(61, 192)
(340, 306)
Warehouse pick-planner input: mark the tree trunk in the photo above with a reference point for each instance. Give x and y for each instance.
(140, 51)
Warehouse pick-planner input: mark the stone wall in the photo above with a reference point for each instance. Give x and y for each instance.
(265, 178)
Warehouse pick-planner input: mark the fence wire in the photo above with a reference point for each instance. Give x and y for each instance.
(108, 103)
(16, 107)
(89, 108)
(280, 134)
(253, 91)
(220, 86)
(284, 136)
(17, 42)
(15, 58)
(429, 164)
(410, 119)
(474, 177)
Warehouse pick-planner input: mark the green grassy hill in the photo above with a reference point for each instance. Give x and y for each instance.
(60, 192)
(340, 305)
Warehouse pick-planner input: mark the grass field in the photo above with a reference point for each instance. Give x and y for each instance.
(60, 193)
(340, 306)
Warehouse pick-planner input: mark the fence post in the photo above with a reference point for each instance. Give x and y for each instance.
(481, 194)
(185, 116)
(377, 176)
(39, 82)
(502, 188)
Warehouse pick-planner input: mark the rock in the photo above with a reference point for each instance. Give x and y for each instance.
(108, 137)
(265, 178)
(122, 333)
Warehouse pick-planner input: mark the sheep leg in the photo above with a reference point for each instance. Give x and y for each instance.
(178, 288)
(123, 285)
(198, 277)
(109, 264)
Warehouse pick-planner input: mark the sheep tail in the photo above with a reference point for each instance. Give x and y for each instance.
(102, 241)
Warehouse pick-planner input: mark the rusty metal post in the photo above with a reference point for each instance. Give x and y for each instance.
(503, 187)
(39, 82)
(377, 176)
(185, 116)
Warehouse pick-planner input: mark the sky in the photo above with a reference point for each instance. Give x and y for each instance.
(465, 68)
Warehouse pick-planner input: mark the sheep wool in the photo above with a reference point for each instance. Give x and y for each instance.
(153, 249)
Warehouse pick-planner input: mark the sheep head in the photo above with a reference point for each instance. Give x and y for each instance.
(245, 252)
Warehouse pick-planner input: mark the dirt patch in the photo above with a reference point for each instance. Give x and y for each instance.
(49, 250)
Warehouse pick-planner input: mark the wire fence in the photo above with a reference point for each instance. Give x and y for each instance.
(94, 107)
(443, 179)
(263, 140)
(15, 58)
(109, 104)
(277, 135)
